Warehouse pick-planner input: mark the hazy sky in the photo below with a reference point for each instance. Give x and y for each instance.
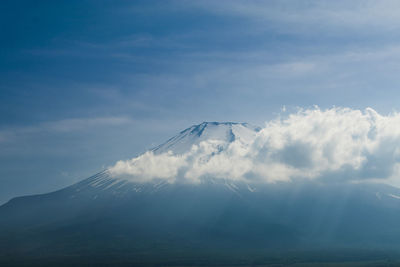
(86, 83)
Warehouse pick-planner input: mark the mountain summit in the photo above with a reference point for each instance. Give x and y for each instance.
(148, 222)
(226, 132)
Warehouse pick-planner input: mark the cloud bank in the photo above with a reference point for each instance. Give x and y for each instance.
(332, 145)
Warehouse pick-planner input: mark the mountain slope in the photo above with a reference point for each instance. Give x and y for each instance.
(222, 131)
(106, 217)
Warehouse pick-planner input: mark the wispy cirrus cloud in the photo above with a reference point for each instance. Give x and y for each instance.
(61, 126)
(352, 15)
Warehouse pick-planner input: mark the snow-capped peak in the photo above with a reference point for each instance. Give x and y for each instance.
(226, 132)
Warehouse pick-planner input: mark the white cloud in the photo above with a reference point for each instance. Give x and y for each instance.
(149, 166)
(336, 144)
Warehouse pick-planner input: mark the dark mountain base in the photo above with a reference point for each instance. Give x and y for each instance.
(207, 258)
(103, 222)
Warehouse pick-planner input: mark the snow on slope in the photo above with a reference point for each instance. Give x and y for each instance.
(210, 149)
(226, 132)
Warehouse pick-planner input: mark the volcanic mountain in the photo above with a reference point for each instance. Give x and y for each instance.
(112, 220)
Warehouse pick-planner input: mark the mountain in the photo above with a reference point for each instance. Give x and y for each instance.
(104, 220)
(226, 132)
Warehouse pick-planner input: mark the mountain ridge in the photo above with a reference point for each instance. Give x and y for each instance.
(104, 215)
(226, 131)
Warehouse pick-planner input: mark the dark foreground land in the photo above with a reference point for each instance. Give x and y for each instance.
(210, 258)
(99, 223)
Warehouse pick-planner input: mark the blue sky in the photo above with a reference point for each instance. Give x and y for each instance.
(86, 83)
